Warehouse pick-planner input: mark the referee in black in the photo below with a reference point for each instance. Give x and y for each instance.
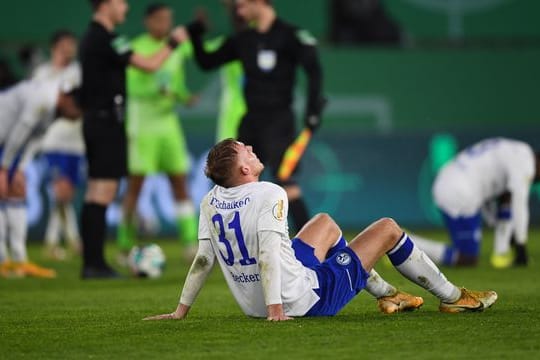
(104, 57)
(270, 52)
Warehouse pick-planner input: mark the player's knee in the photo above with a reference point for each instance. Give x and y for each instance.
(327, 224)
(391, 228)
(63, 190)
(325, 219)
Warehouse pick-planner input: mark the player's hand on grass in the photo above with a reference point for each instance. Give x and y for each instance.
(179, 314)
(170, 316)
(279, 318)
(275, 313)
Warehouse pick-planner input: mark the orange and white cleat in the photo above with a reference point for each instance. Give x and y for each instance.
(5, 269)
(400, 301)
(30, 269)
(470, 300)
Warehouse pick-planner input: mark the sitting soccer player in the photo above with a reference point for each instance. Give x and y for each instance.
(491, 178)
(28, 108)
(243, 224)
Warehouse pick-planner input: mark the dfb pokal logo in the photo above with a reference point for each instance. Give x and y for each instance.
(343, 259)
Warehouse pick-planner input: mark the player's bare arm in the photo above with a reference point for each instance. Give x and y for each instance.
(154, 62)
(197, 275)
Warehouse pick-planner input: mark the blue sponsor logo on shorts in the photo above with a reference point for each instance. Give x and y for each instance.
(343, 259)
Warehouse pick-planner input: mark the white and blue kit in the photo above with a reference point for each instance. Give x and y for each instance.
(477, 175)
(245, 229)
(63, 144)
(28, 108)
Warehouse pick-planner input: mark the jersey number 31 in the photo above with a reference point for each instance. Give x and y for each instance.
(233, 225)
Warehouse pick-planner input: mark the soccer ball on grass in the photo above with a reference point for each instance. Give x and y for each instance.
(147, 261)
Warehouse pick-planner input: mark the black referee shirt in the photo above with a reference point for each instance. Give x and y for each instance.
(269, 60)
(104, 57)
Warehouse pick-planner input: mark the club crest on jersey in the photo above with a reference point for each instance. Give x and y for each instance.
(343, 259)
(277, 211)
(266, 60)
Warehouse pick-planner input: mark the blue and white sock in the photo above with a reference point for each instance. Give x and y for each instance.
(413, 263)
(377, 286)
(436, 250)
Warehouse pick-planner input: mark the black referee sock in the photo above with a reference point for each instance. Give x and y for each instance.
(93, 230)
(299, 213)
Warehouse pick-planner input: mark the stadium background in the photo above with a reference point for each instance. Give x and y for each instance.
(465, 71)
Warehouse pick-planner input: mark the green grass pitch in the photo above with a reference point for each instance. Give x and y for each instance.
(69, 318)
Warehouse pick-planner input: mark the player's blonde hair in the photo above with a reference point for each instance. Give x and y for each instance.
(221, 161)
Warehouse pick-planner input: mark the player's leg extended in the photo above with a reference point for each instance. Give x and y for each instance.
(185, 211)
(143, 159)
(502, 256)
(325, 237)
(17, 226)
(127, 232)
(66, 187)
(58, 219)
(54, 223)
(99, 194)
(385, 236)
(52, 231)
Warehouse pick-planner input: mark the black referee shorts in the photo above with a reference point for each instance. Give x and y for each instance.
(106, 147)
(270, 134)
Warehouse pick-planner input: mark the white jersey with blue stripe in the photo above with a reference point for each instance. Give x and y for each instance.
(484, 171)
(247, 223)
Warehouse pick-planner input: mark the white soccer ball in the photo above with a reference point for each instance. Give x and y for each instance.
(147, 261)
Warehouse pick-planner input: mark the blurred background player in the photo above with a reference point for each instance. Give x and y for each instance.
(63, 148)
(104, 57)
(156, 141)
(492, 177)
(28, 108)
(270, 52)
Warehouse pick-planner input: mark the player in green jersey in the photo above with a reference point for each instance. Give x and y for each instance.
(156, 142)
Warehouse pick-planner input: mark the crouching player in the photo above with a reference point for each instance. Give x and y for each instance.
(28, 108)
(243, 225)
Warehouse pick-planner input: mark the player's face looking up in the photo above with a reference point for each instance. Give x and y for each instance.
(249, 163)
(159, 23)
